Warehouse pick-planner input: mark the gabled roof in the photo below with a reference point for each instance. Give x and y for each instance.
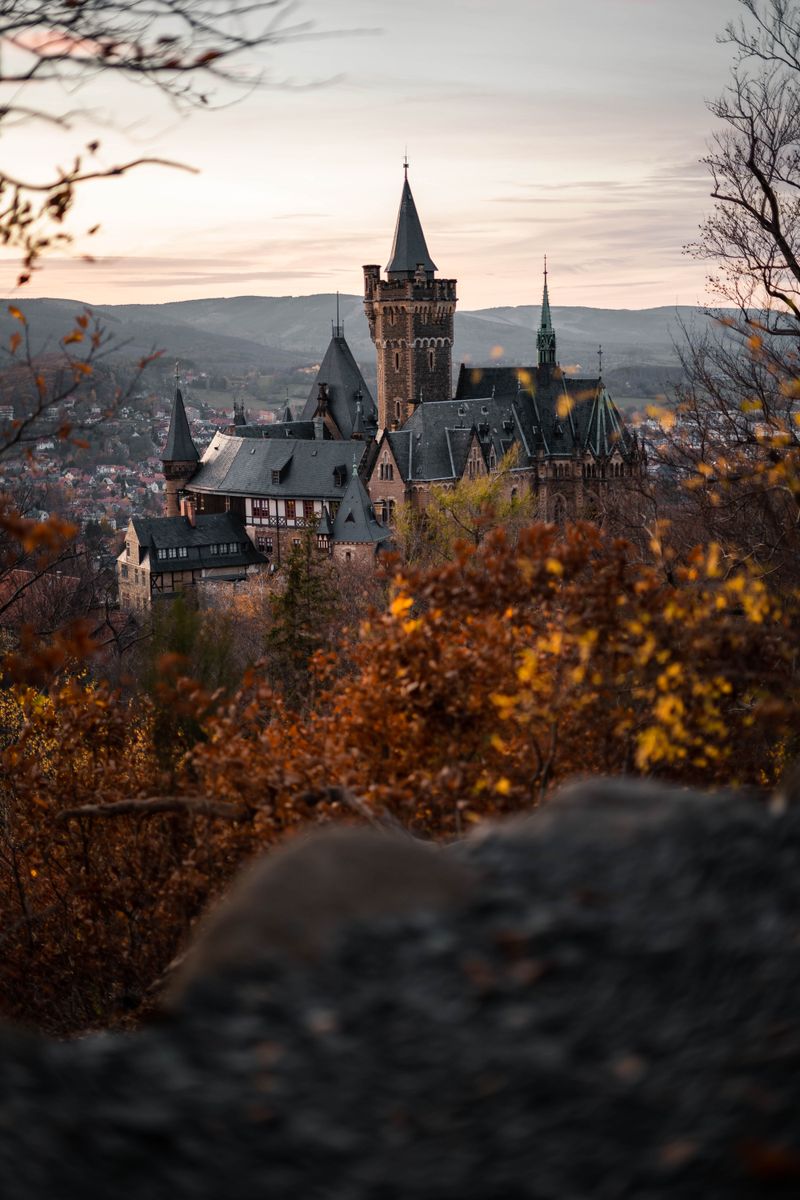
(179, 447)
(356, 521)
(234, 466)
(409, 249)
(340, 372)
(202, 541)
(435, 440)
(605, 432)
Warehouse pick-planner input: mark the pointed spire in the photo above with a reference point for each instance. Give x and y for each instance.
(409, 250)
(287, 414)
(546, 336)
(179, 447)
(546, 321)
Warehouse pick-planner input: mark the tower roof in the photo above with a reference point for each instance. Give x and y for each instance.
(546, 323)
(179, 447)
(346, 387)
(356, 521)
(409, 250)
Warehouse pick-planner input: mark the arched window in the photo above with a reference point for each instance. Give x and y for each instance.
(398, 411)
(397, 360)
(430, 359)
(389, 471)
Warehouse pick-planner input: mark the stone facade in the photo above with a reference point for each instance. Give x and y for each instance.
(411, 324)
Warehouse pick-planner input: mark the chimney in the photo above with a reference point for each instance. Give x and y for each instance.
(188, 510)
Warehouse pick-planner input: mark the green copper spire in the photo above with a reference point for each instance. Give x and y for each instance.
(546, 337)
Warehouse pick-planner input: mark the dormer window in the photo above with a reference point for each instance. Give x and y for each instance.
(276, 477)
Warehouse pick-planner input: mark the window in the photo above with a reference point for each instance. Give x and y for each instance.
(295, 541)
(397, 360)
(127, 549)
(123, 571)
(183, 552)
(347, 556)
(308, 510)
(261, 508)
(290, 510)
(430, 360)
(264, 544)
(276, 476)
(398, 410)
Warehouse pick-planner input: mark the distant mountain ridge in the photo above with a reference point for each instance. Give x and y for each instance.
(237, 333)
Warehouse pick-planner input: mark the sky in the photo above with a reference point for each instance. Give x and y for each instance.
(567, 127)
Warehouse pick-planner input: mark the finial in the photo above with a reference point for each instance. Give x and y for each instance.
(545, 268)
(405, 163)
(177, 366)
(600, 362)
(355, 465)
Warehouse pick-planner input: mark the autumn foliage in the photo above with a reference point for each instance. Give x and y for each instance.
(480, 686)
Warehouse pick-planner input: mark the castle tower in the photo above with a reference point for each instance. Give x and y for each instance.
(546, 334)
(180, 457)
(410, 316)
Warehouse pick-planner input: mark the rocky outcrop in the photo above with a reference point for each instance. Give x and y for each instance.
(602, 1000)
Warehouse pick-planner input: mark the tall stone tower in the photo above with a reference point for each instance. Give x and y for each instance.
(410, 316)
(546, 334)
(180, 458)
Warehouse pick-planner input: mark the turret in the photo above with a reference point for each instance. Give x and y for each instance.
(180, 457)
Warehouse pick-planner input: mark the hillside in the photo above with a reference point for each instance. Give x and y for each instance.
(278, 333)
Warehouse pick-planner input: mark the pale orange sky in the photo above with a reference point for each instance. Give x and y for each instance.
(573, 129)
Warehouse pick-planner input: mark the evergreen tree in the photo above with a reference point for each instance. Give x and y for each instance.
(301, 616)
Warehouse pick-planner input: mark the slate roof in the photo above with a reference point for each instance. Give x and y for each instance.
(278, 429)
(340, 371)
(235, 466)
(356, 521)
(179, 447)
(209, 530)
(560, 415)
(409, 249)
(435, 440)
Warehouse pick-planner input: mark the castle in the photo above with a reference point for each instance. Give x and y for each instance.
(348, 461)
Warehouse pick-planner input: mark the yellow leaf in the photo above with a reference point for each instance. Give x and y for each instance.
(400, 605)
(16, 314)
